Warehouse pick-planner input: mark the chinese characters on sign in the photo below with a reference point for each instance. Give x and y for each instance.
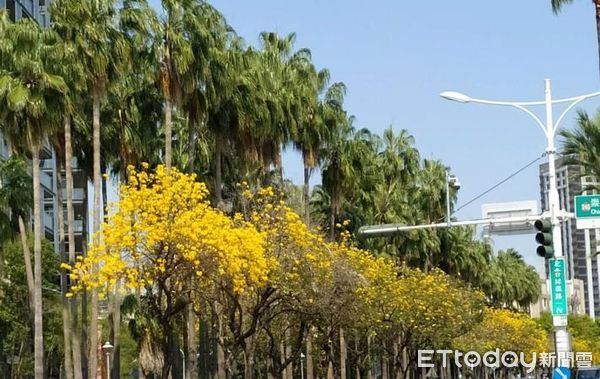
(558, 286)
(587, 211)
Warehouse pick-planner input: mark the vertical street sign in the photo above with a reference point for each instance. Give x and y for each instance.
(558, 286)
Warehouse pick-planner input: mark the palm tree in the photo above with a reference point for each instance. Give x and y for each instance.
(511, 282)
(582, 144)
(15, 195)
(276, 81)
(176, 58)
(320, 109)
(29, 93)
(16, 198)
(133, 109)
(343, 158)
(557, 6)
(89, 25)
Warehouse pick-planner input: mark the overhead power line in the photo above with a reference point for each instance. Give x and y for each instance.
(500, 183)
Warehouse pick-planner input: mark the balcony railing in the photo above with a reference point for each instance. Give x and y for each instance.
(78, 195)
(46, 181)
(77, 226)
(48, 220)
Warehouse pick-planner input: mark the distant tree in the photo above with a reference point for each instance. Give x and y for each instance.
(16, 195)
(16, 320)
(510, 282)
(557, 7)
(582, 144)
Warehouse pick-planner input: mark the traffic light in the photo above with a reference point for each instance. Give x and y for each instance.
(544, 238)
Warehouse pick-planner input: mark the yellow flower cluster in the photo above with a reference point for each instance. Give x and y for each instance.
(505, 330)
(369, 290)
(165, 228)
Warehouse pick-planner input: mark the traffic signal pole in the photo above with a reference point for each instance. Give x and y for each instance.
(562, 341)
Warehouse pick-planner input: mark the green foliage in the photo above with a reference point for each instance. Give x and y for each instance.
(582, 326)
(582, 145)
(511, 281)
(29, 85)
(16, 335)
(16, 195)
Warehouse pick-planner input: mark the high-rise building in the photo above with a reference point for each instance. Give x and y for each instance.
(579, 246)
(38, 10)
(33, 9)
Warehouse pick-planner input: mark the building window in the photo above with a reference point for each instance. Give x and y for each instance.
(10, 6)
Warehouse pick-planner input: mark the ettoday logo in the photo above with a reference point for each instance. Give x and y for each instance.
(508, 359)
(471, 359)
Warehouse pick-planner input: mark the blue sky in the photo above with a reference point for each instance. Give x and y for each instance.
(396, 57)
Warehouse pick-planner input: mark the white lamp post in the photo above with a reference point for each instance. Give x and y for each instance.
(302, 356)
(108, 349)
(549, 128)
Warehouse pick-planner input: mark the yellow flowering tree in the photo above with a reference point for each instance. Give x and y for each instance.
(505, 330)
(164, 233)
(280, 310)
(416, 310)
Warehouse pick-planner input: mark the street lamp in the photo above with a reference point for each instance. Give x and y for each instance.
(302, 356)
(549, 129)
(451, 182)
(108, 349)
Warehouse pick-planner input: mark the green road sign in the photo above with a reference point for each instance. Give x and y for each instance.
(587, 206)
(587, 211)
(558, 286)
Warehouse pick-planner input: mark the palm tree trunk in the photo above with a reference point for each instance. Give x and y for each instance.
(309, 359)
(27, 257)
(191, 145)
(343, 354)
(115, 331)
(38, 340)
(191, 361)
(66, 314)
(191, 369)
(97, 181)
(332, 224)
(371, 369)
(168, 132)
(218, 169)
(114, 318)
(221, 369)
(75, 341)
(306, 195)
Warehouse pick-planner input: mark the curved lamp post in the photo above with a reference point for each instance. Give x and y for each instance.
(549, 129)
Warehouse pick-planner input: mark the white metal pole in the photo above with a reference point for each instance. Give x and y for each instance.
(589, 274)
(598, 270)
(553, 200)
(108, 365)
(560, 329)
(447, 198)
